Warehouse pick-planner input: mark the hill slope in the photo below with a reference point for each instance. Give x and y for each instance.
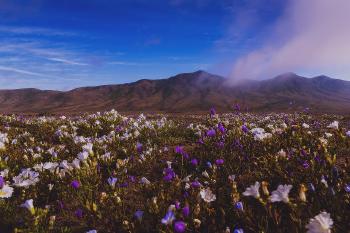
(188, 92)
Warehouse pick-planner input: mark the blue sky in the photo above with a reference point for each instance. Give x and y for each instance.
(64, 44)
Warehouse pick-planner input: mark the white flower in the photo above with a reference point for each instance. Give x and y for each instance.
(306, 126)
(253, 190)
(260, 134)
(106, 156)
(4, 173)
(50, 166)
(333, 125)
(207, 195)
(28, 204)
(145, 181)
(282, 153)
(3, 140)
(281, 194)
(83, 155)
(88, 148)
(323, 141)
(26, 178)
(76, 163)
(323, 181)
(321, 223)
(50, 186)
(6, 191)
(328, 135)
(205, 174)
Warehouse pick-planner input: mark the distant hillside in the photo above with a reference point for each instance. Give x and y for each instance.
(188, 92)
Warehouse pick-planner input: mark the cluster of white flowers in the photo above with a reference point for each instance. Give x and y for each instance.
(3, 140)
(26, 178)
(334, 125)
(207, 195)
(260, 134)
(280, 194)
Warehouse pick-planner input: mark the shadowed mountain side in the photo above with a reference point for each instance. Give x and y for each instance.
(188, 92)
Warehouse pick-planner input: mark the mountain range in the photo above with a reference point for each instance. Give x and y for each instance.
(188, 92)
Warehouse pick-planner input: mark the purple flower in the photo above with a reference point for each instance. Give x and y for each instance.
(177, 205)
(169, 174)
(303, 152)
(118, 128)
(179, 150)
(180, 226)
(139, 147)
(239, 206)
(79, 213)
(111, 181)
(209, 164)
(75, 184)
(123, 185)
(245, 129)
(211, 133)
(186, 211)
(2, 181)
(185, 155)
(200, 141)
(138, 214)
(168, 218)
(237, 107)
(212, 112)
(168, 177)
(312, 187)
(61, 205)
(219, 162)
(221, 128)
(238, 230)
(317, 158)
(347, 188)
(306, 165)
(132, 179)
(196, 184)
(335, 172)
(186, 195)
(194, 162)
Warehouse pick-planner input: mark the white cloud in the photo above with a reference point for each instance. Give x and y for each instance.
(123, 63)
(311, 37)
(20, 71)
(66, 61)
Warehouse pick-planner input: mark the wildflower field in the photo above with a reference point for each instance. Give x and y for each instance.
(236, 172)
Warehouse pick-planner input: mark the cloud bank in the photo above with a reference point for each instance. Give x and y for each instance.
(312, 37)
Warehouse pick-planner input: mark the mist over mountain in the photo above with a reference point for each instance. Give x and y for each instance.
(188, 92)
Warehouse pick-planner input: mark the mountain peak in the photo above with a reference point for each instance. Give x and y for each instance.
(287, 75)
